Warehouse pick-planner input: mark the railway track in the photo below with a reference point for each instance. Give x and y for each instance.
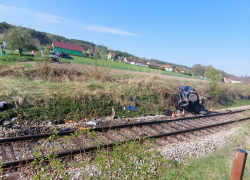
(18, 151)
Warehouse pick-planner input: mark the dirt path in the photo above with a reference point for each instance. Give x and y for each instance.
(82, 67)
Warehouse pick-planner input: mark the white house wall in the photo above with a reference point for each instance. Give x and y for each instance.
(169, 69)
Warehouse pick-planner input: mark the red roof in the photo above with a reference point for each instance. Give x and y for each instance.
(67, 46)
(166, 66)
(152, 65)
(112, 54)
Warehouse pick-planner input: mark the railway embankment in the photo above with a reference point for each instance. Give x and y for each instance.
(44, 97)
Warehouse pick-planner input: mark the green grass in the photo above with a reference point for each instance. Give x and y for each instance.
(232, 103)
(217, 165)
(13, 63)
(122, 66)
(213, 166)
(14, 58)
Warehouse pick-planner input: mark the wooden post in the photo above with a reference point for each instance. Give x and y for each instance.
(240, 157)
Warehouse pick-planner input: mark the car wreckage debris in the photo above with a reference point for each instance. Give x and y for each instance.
(189, 100)
(4, 105)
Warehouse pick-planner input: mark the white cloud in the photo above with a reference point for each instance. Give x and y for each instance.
(50, 18)
(55, 19)
(41, 16)
(106, 30)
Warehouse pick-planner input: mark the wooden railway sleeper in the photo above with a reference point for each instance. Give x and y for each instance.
(155, 130)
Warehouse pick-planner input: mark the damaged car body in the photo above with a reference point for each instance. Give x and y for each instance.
(4, 105)
(189, 100)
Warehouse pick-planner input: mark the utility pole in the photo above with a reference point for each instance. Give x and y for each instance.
(110, 52)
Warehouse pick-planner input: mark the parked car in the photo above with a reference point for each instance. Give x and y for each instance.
(66, 56)
(53, 55)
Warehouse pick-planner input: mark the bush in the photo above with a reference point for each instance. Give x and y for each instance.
(214, 85)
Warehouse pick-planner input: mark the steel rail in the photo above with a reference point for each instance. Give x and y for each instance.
(17, 163)
(106, 128)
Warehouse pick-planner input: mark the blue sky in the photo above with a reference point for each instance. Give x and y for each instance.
(215, 32)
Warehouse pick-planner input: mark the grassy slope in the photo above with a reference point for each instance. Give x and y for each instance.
(213, 166)
(152, 93)
(122, 66)
(100, 62)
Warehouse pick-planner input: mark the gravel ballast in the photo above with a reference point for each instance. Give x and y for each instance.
(199, 146)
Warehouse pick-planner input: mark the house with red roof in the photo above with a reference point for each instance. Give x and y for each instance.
(67, 48)
(127, 60)
(227, 80)
(167, 68)
(152, 65)
(111, 55)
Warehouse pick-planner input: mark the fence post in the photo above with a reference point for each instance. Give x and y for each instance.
(240, 157)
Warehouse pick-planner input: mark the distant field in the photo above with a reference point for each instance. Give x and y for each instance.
(99, 62)
(122, 66)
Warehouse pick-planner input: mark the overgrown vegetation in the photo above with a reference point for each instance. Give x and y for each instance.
(40, 92)
(214, 84)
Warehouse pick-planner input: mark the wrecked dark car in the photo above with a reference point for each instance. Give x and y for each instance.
(4, 105)
(189, 100)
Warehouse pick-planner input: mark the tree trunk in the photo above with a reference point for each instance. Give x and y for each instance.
(20, 52)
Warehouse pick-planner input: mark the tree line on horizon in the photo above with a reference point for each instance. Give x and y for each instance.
(205, 71)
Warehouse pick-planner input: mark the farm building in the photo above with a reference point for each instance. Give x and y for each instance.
(67, 48)
(152, 65)
(111, 55)
(167, 68)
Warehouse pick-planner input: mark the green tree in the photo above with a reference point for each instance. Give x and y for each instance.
(178, 69)
(162, 68)
(198, 70)
(208, 70)
(18, 38)
(97, 56)
(214, 85)
(188, 72)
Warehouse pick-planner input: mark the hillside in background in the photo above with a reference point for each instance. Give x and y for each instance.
(46, 38)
